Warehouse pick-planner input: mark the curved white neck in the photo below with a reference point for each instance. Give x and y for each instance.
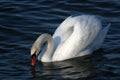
(47, 55)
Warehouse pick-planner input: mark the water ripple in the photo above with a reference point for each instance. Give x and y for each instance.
(21, 22)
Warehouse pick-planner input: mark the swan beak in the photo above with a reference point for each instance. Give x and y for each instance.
(33, 61)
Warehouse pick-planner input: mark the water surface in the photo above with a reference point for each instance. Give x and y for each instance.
(21, 22)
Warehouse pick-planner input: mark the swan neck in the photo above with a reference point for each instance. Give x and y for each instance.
(46, 54)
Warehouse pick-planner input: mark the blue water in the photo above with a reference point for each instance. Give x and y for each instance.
(21, 22)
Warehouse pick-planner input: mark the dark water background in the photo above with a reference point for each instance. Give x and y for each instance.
(22, 21)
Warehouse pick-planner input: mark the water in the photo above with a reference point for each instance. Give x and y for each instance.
(21, 22)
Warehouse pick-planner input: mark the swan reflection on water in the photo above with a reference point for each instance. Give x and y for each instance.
(70, 69)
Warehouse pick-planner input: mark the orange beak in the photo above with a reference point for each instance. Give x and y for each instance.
(33, 61)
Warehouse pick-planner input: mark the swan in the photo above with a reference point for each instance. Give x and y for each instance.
(76, 36)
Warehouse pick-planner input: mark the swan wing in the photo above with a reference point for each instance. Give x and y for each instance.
(63, 31)
(64, 26)
(100, 38)
(85, 30)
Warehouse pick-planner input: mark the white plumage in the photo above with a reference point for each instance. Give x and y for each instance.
(76, 36)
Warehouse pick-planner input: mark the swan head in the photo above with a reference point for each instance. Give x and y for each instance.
(42, 48)
(33, 56)
(35, 51)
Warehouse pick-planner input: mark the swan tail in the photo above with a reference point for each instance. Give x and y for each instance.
(99, 40)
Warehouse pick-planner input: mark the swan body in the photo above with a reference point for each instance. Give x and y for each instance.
(75, 37)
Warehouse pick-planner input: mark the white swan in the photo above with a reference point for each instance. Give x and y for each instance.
(76, 36)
